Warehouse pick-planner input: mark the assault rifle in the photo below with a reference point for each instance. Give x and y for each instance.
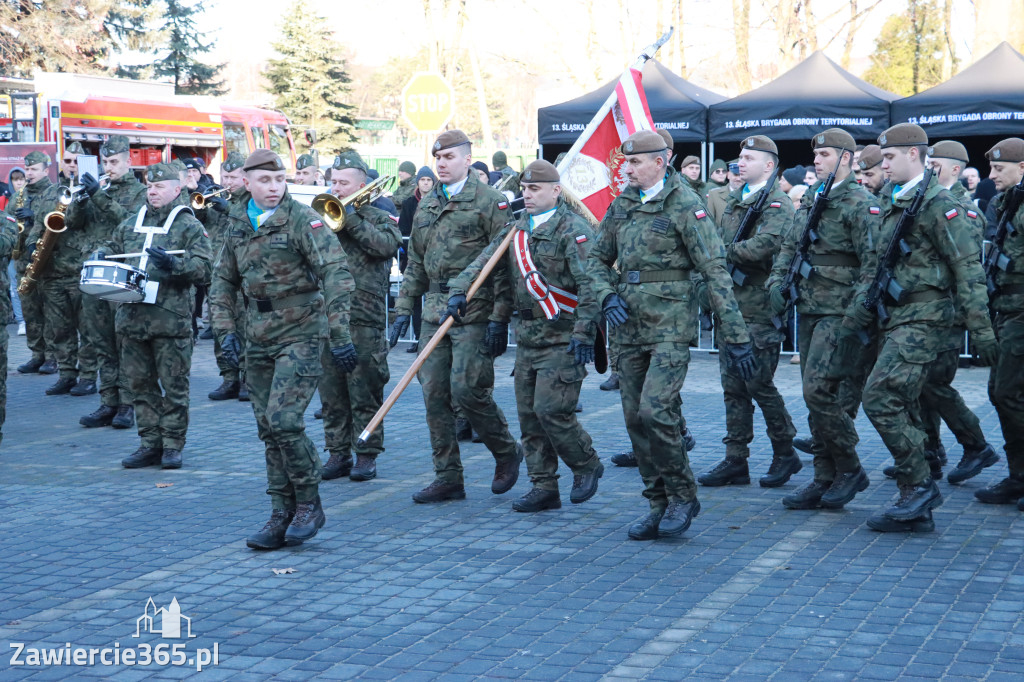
(753, 214)
(996, 259)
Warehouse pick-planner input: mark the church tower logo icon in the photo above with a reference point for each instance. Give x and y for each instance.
(165, 621)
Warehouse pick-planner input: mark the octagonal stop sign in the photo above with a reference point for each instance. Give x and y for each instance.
(428, 102)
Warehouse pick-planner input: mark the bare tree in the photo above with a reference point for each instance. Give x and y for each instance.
(741, 39)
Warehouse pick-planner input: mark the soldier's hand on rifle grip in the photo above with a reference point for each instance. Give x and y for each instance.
(857, 316)
(398, 329)
(457, 305)
(583, 352)
(232, 349)
(345, 357)
(741, 358)
(496, 338)
(777, 300)
(986, 346)
(615, 310)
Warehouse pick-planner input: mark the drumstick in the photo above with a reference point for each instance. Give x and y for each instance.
(176, 252)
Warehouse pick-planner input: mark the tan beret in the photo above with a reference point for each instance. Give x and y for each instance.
(449, 139)
(263, 159)
(667, 136)
(689, 161)
(539, 171)
(948, 149)
(870, 157)
(1011, 149)
(643, 142)
(903, 135)
(834, 137)
(760, 143)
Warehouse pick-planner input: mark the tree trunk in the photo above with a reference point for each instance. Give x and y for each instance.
(947, 36)
(851, 33)
(786, 32)
(481, 99)
(741, 38)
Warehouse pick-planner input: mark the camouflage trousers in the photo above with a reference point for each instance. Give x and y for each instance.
(893, 393)
(650, 378)
(227, 370)
(548, 382)
(741, 395)
(282, 379)
(939, 400)
(97, 325)
(159, 362)
(461, 370)
(32, 311)
(351, 399)
(62, 307)
(1006, 387)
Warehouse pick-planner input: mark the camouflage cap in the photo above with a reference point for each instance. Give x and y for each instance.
(903, 135)
(449, 139)
(834, 137)
(870, 157)
(498, 159)
(643, 142)
(115, 144)
(667, 136)
(760, 143)
(159, 172)
(539, 171)
(689, 161)
(407, 167)
(263, 159)
(32, 158)
(74, 148)
(234, 161)
(949, 149)
(304, 161)
(1011, 150)
(350, 159)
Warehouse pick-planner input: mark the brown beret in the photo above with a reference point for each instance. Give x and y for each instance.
(834, 137)
(263, 159)
(449, 139)
(1011, 149)
(75, 148)
(689, 161)
(539, 171)
(760, 143)
(159, 172)
(948, 149)
(667, 136)
(903, 135)
(643, 142)
(870, 157)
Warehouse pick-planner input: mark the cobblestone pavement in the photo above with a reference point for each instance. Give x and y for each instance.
(471, 589)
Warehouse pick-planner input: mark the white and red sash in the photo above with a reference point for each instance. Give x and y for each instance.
(551, 299)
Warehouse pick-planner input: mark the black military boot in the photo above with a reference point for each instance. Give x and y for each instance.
(83, 387)
(272, 535)
(844, 488)
(730, 471)
(584, 486)
(934, 464)
(883, 524)
(677, 517)
(463, 430)
(125, 418)
(171, 459)
(337, 466)
(440, 491)
(808, 497)
(646, 528)
(940, 452)
(507, 473)
(143, 457)
(48, 367)
(781, 470)
(611, 384)
(31, 367)
(804, 445)
(365, 468)
(915, 500)
(625, 459)
(228, 390)
(971, 464)
(537, 500)
(243, 392)
(62, 387)
(308, 520)
(104, 416)
(1006, 491)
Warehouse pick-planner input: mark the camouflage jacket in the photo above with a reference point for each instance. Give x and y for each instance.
(510, 181)
(848, 231)
(171, 313)
(100, 215)
(292, 254)
(944, 257)
(39, 197)
(559, 249)
(217, 223)
(977, 222)
(8, 240)
(404, 191)
(756, 254)
(1013, 247)
(447, 235)
(371, 239)
(671, 232)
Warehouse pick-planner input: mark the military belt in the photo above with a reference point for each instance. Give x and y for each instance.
(438, 287)
(925, 296)
(266, 305)
(838, 260)
(535, 313)
(1010, 290)
(646, 276)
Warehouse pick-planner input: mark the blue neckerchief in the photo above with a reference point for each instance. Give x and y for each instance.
(546, 215)
(257, 216)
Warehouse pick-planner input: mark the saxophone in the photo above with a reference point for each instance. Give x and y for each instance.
(20, 245)
(54, 223)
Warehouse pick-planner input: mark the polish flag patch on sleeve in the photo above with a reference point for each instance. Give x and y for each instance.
(502, 205)
(874, 210)
(971, 214)
(315, 224)
(952, 213)
(394, 218)
(700, 214)
(11, 218)
(775, 204)
(581, 238)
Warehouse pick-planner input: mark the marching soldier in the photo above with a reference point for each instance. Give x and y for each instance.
(280, 257)
(305, 170)
(1006, 382)
(657, 231)
(156, 334)
(843, 261)
(452, 225)
(370, 238)
(406, 183)
(752, 259)
(99, 217)
(872, 177)
(555, 337)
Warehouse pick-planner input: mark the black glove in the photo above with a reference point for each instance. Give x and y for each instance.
(496, 338)
(90, 185)
(399, 327)
(345, 357)
(161, 258)
(456, 308)
(24, 213)
(615, 310)
(741, 358)
(232, 349)
(219, 204)
(584, 352)
(98, 255)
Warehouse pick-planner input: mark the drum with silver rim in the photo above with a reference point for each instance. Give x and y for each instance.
(113, 281)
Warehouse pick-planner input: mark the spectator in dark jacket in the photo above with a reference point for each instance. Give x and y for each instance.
(425, 180)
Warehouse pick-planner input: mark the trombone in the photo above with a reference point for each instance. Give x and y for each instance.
(200, 200)
(332, 209)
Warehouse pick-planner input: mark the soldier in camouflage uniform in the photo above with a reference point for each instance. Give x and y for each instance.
(872, 177)
(305, 170)
(280, 256)
(752, 257)
(843, 261)
(940, 273)
(452, 225)
(406, 183)
(510, 179)
(1006, 382)
(689, 171)
(8, 240)
(657, 231)
(553, 347)
(104, 211)
(68, 175)
(156, 336)
(370, 238)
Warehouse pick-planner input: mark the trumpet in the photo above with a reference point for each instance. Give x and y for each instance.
(70, 192)
(199, 200)
(332, 209)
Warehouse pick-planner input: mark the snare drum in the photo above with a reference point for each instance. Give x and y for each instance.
(113, 281)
